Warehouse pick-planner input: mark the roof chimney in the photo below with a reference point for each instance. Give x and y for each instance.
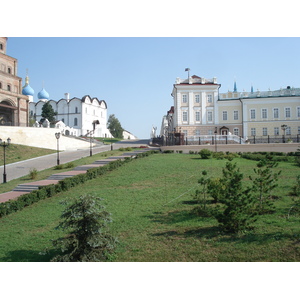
(67, 96)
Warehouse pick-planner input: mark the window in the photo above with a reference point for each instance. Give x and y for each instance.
(184, 116)
(210, 132)
(197, 98)
(0, 85)
(209, 116)
(298, 112)
(75, 122)
(288, 130)
(76, 110)
(276, 130)
(265, 131)
(298, 129)
(236, 131)
(224, 115)
(8, 87)
(209, 98)
(9, 70)
(184, 98)
(287, 112)
(1, 47)
(235, 115)
(197, 132)
(253, 131)
(185, 132)
(197, 116)
(264, 114)
(252, 113)
(63, 120)
(275, 113)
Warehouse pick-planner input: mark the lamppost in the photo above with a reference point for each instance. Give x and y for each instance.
(90, 133)
(57, 135)
(283, 127)
(216, 131)
(4, 145)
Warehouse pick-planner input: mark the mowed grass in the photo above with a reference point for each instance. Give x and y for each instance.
(16, 153)
(151, 203)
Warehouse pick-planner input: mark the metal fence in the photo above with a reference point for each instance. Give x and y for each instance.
(225, 139)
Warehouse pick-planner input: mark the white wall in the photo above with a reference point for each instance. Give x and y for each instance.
(40, 137)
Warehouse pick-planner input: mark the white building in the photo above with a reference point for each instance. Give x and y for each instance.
(200, 110)
(84, 115)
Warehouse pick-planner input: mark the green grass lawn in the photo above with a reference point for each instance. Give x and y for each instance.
(16, 153)
(151, 203)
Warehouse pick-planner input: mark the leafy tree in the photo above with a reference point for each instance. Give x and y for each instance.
(88, 239)
(114, 126)
(48, 112)
(264, 184)
(237, 211)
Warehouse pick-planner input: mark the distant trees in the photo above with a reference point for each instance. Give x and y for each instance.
(114, 126)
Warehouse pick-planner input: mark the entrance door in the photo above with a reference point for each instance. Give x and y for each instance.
(224, 132)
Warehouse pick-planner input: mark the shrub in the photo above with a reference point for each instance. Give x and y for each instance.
(33, 173)
(205, 153)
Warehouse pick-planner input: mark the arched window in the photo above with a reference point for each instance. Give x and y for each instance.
(75, 122)
(9, 70)
(76, 110)
(8, 87)
(1, 47)
(0, 85)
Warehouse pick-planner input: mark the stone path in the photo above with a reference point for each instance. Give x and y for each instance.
(55, 178)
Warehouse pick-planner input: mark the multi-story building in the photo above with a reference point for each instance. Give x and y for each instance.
(200, 110)
(13, 104)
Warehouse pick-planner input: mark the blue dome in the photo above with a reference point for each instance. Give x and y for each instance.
(43, 94)
(28, 90)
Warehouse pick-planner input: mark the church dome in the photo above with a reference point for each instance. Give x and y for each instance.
(28, 90)
(43, 94)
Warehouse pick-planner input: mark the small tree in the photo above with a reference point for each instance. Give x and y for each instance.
(114, 126)
(264, 184)
(48, 112)
(88, 239)
(237, 212)
(201, 196)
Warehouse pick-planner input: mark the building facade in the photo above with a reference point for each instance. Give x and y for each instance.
(13, 104)
(84, 114)
(200, 110)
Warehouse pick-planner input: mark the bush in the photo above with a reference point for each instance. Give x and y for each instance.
(33, 173)
(205, 153)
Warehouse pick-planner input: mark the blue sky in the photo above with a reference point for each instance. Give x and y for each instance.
(135, 75)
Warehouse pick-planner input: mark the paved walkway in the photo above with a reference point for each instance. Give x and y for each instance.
(22, 168)
(55, 178)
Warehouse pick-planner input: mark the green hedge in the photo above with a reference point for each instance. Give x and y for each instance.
(48, 191)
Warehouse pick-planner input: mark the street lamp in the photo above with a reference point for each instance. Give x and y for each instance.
(90, 133)
(57, 135)
(216, 131)
(283, 127)
(4, 145)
